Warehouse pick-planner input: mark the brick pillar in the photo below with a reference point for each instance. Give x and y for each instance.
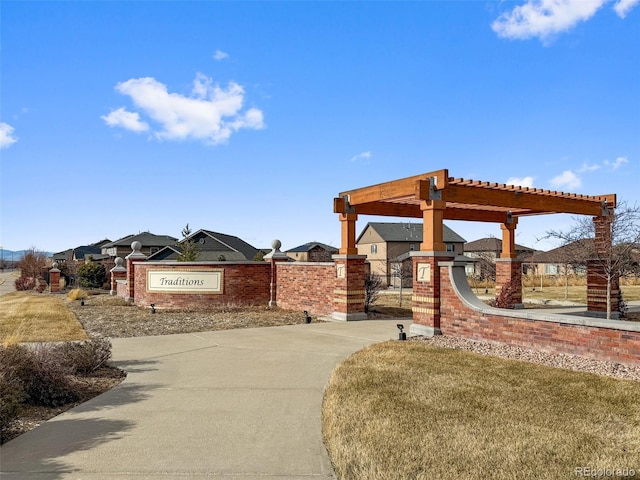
(135, 256)
(426, 273)
(426, 292)
(274, 257)
(509, 274)
(348, 295)
(596, 274)
(119, 272)
(54, 279)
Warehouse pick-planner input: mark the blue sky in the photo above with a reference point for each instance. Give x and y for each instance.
(248, 118)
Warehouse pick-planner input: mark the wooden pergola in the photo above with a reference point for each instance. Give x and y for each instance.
(436, 196)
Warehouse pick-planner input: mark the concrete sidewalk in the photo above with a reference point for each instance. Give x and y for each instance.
(225, 405)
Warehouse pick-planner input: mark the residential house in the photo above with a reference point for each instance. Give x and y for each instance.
(150, 244)
(569, 259)
(388, 244)
(485, 251)
(211, 247)
(70, 260)
(312, 252)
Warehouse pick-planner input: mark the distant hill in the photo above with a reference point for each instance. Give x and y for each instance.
(16, 255)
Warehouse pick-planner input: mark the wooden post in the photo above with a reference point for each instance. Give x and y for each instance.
(348, 229)
(432, 217)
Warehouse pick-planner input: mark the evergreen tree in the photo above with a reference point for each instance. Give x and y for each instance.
(188, 249)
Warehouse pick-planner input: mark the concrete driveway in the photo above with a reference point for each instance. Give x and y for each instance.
(224, 405)
(7, 281)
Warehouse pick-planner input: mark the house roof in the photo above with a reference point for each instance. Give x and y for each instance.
(211, 246)
(311, 245)
(492, 244)
(147, 239)
(407, 232)
(79, 253)
(101, 243)
(233, 242)
(575, 252)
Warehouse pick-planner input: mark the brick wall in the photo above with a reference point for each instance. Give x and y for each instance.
(306, 286)
(244, 283)
(122, 290)
(612, 340)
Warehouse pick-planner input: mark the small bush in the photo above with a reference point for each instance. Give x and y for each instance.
(41, 373)
(87, 356)
(12, 393)
(373, 285)
(92, 274)
(49, 383)
(25, 283)
(77, 294)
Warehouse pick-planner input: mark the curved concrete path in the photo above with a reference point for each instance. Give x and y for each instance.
(223, 405)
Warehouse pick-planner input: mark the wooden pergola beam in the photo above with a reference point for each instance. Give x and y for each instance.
(519, 199)
(395, 189)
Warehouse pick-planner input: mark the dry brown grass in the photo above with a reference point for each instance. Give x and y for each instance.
(576, 293)
(405, 410)
(29, 317)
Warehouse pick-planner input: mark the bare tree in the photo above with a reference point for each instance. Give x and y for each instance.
(401, 269)
(615, 257)
(33, 263)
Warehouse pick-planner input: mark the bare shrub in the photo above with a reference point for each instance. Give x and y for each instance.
(77, 294)
(49, 382)
(373, 284)
(12, 392)
(25, 283)
(86, 356)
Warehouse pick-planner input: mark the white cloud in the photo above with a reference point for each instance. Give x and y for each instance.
(220, 55)
(127, 120)
(566, 179)
(522, 182)
(586, 167)
(7, 138)
(545, 18)
(623, 7)
(361, 156)
(617, 163)
(211, 113)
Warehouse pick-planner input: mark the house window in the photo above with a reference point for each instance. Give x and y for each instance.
(551, 269)
(153, 250)
(374, 248)
(450, 248)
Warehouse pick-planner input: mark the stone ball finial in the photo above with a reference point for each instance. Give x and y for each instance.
(136, 246)
(276, 244)
(119, 261)
(55, 265)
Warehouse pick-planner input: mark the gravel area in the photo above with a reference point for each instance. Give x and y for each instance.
(557, 360)
(110, 316)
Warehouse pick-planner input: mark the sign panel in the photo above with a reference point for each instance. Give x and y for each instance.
(184, 281)
(423, 272)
